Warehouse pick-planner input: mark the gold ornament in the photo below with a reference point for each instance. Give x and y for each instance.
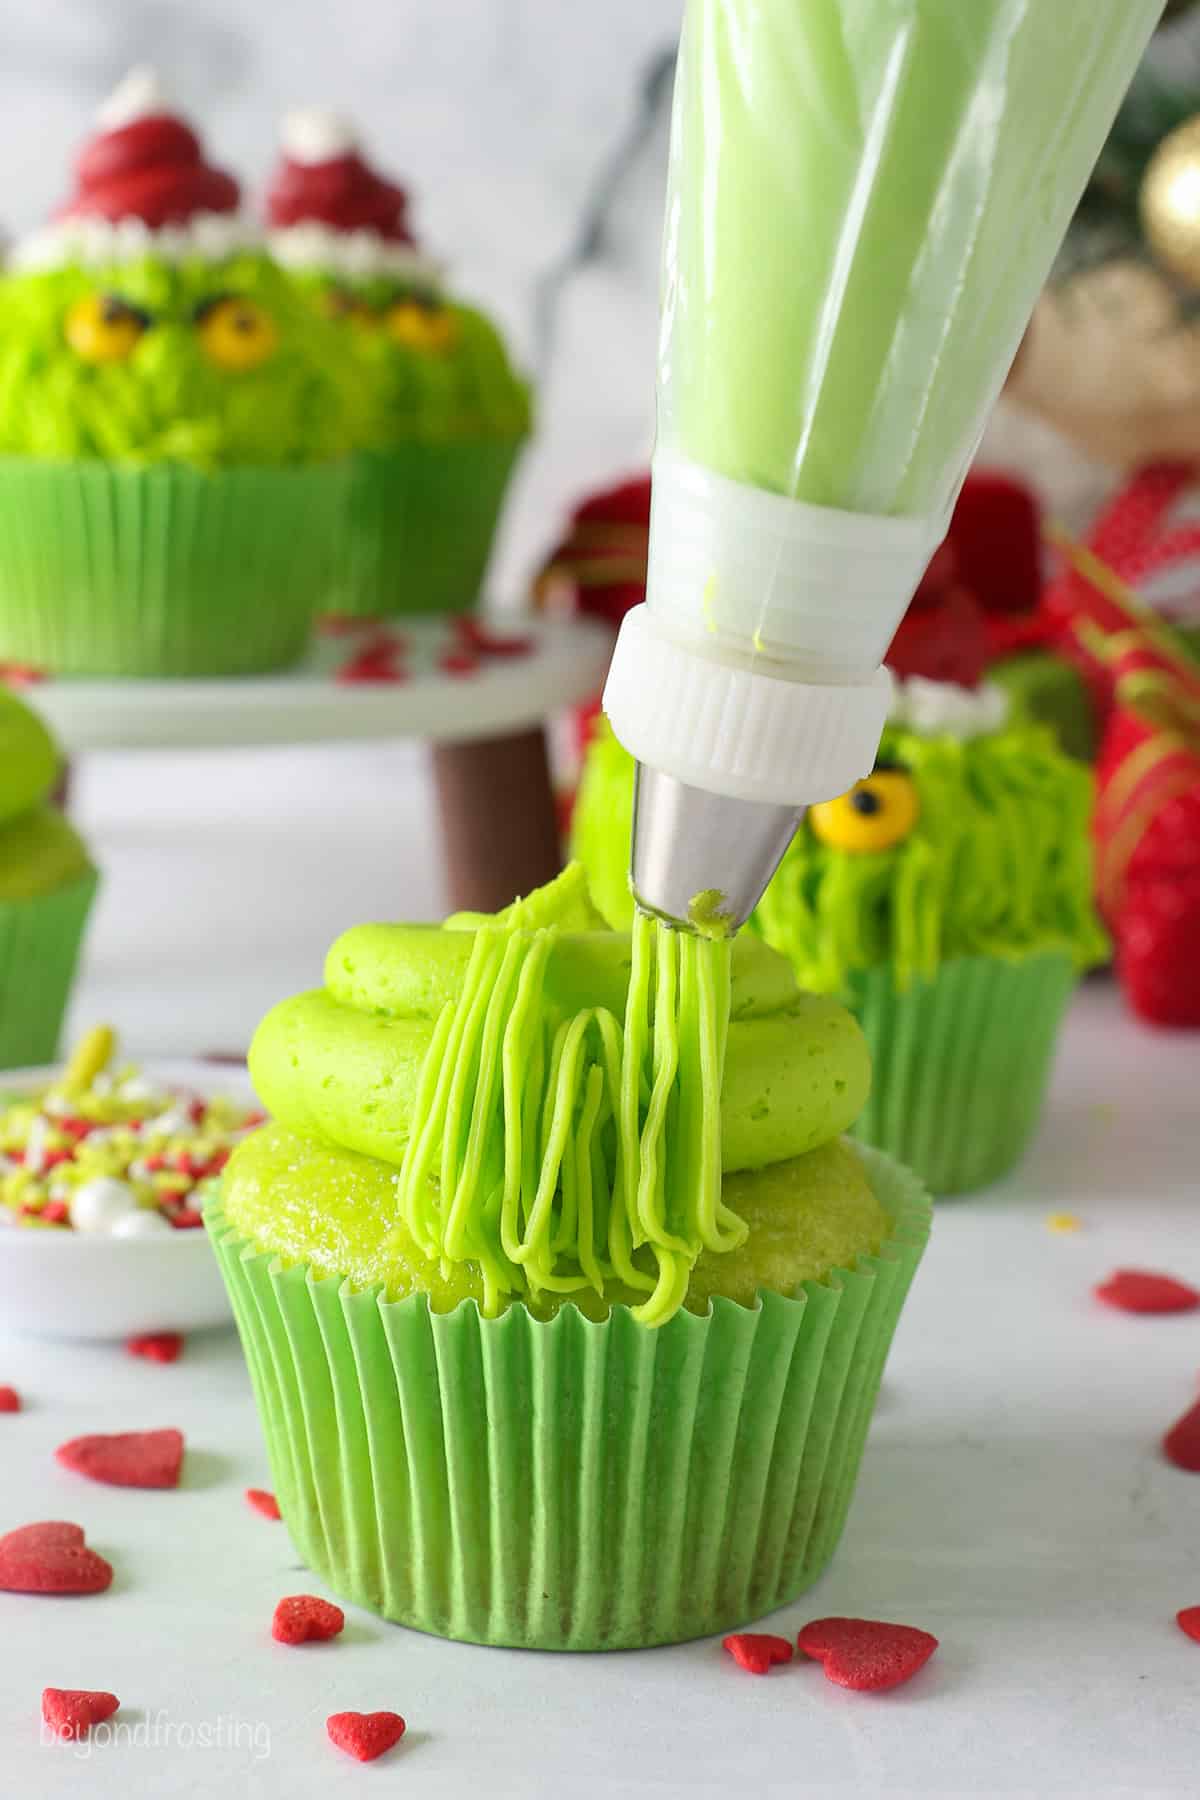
(1170, 201)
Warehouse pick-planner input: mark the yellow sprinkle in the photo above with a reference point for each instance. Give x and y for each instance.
(758, 641)
(91, 1054)
(710, 594)
(1064, 1222)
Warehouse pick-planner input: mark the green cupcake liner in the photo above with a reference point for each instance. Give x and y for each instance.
(961, 1063)
(417, 527)
(165, 570)
(567, 1485)
(39, 948)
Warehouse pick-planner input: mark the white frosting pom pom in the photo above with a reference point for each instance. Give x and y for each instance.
(315, 134)
(97, 1205)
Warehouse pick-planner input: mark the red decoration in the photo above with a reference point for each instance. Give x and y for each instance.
(10, 1400)
(343, 193)
(1138, 1291)
(867, 1654)
(365, 1735)
(157, 1346)
(142, 1459)
(71, 1712)
(153, 170)
(757, 1651)
(51, 1558)
(1188, 1622)
(263, 1502)
(306, 1619)
(1181, 1445)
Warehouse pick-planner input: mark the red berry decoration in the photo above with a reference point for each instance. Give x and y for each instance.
(1182, 1443)
(157, 1346)
(306, 1619)
(71, 1712)
(10, 1400)
(365, 1735)
(867, 1654)
(757, 1651)
(263, 1502)
(51, 1558)
(1188, 1622)
(141, 1459)
(1139, 1291)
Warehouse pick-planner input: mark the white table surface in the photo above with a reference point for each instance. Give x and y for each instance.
(1012, 1498)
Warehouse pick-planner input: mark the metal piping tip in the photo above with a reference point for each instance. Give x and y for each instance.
(702, 860)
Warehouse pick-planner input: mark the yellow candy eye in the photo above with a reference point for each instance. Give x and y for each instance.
(423, 325)
(877, 814)
(236, 333)
(103, 328)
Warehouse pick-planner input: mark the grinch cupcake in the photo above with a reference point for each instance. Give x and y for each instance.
(169, 415)
(947, 899)
(448, 413)
(565, 1310)
(47, 885)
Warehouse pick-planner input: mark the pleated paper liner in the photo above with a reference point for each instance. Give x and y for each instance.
(567, 1485)
(418, 526)
(961, 1063)
(39, 948)
(108, 570)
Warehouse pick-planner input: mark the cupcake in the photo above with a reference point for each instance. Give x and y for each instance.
(169, 414)
(47, 885)
(448, 414)
(947, 900)
(565, 1312)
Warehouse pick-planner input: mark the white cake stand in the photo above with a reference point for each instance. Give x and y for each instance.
(480, 701)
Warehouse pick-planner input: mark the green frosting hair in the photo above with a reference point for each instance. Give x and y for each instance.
(168, 401)
(998, 863)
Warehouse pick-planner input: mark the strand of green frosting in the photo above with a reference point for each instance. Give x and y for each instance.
(551, 1150)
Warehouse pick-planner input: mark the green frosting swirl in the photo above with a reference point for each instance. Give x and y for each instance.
(39, 850)
(998, 864)
(561, 1105)
(168, 401)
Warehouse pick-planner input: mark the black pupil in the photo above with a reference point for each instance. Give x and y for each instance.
(866, 801)
(115, 311)
(243, 320)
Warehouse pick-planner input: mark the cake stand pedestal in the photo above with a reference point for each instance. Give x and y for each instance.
(478, 695)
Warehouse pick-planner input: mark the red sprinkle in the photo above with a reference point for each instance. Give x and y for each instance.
(757, 1650)
(21, 675)
(10, 1400)
(71, 1712)
(867, 1654)
(51, 1558)
(459, 662)
(141, 1459)
(306, 1619)
(263, 1502)
(1188, 1622)
(1139, 1291)
(156, 1346)
(1182, 1443)
(186, 1218)
(473, 634)
(55, 1212)
(365, 1735)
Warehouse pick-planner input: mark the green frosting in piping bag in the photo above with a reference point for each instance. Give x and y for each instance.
(559, 1107)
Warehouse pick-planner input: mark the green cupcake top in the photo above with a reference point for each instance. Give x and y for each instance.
(39, 850)
(559, 1104)
(956, 846)
(208, 362)
(28, 757)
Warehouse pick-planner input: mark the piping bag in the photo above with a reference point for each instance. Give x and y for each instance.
(864, 199)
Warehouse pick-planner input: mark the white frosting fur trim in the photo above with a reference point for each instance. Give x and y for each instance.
(315, 134)
(351, 253)
(141, 95)
(942, 709)
(95, 242)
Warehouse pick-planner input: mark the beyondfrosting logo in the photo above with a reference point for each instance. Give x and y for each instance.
(159, 1731)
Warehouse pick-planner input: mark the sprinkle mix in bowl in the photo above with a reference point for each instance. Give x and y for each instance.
(103, 1149)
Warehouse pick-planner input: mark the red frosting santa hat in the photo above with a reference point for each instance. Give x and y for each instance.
(142, 184)
(328, 209)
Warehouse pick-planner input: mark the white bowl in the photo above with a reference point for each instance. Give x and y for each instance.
(68, 1284)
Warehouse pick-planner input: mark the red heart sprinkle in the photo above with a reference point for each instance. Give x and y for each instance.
(156, 1346)
(1188, 1622)
(71, 1712)
(1139, 1291)
(757, 1650)
(365, 1735)
(141, 1459)
(51, 1558)
(186, 1219)
(1182, 1443)
(10, 1400)
(867, 1654)
(305, 1619)
(263, 1502)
